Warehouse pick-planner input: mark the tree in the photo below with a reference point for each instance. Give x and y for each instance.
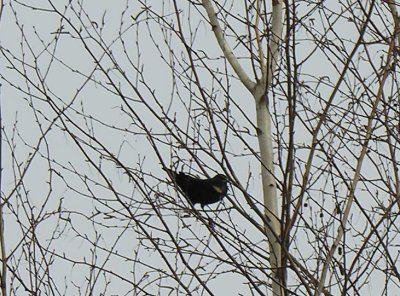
(296, 102)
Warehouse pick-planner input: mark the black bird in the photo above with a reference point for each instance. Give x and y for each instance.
(202, 191)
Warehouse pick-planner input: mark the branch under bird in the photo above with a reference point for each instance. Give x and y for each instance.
(202, 191)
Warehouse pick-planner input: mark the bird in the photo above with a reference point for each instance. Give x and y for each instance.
(202, 191)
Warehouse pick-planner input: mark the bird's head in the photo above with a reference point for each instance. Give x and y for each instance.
(221, 178)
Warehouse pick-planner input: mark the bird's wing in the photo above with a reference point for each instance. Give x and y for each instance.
(218, 188)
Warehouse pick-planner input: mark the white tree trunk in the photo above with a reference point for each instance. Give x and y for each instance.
(258, 90)
(272, 227)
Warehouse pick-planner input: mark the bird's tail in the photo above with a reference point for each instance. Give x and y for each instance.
(171, 173)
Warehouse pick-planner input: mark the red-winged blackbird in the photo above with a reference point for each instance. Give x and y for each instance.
(202, 191)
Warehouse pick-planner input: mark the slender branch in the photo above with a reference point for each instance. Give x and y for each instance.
(258, 39)
(273, 47)
(2, 242)
(226, 49)
(3, 275)
(350, 196)
(1, 8)
(323, 117)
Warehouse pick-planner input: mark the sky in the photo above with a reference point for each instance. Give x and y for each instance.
(75, 178)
